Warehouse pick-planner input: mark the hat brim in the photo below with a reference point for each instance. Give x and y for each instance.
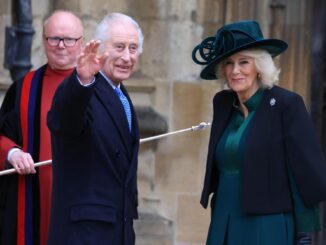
(272, 46)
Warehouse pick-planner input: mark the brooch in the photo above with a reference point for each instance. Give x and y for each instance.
(272, 102)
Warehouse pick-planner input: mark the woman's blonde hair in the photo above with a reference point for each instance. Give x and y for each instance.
(267, 71)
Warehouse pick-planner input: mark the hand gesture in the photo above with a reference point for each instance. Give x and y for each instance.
(22, 162)
(89, 62)
(304, 238)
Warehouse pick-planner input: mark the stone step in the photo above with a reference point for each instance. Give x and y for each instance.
(153, 229)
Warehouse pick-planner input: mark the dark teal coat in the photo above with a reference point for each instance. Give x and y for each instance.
(281, 135)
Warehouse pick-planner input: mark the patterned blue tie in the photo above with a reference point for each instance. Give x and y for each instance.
(125, 104)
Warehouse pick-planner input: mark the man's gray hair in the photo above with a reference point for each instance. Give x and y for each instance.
(102, 31)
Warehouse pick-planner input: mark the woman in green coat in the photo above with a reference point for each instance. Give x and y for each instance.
(265, 166)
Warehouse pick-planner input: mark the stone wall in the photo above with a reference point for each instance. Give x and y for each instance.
(171, 169)
(5, 19)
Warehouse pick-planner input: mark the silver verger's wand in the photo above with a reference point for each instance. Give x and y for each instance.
(200, 126)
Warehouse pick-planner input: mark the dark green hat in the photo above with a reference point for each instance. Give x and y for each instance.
(230, 39)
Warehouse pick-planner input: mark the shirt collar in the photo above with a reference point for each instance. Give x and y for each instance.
(109, 81)
(253, 102)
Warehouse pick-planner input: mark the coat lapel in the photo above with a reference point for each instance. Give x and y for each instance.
(115, 109)
(261, 125)
(221, 117)
(135, 138)
(111, 102)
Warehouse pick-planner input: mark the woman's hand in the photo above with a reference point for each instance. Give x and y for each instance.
(304, 238)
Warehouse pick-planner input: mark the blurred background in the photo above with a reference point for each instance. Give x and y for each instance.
(168, 93)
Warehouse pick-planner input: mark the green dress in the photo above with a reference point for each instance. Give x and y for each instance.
(229, 224)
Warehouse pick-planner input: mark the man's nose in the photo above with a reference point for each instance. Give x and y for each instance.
(61, 44)
(125, 54)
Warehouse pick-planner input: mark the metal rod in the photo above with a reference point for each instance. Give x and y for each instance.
(12, 170)
(200, 126)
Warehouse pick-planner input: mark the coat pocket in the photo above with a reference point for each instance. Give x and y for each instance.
(91, 212)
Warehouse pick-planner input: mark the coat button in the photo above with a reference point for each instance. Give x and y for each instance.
(117, 152)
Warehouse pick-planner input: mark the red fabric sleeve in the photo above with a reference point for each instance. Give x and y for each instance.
(5, 145)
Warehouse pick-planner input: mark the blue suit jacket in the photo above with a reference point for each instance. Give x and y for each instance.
(94, 199)
(279, 137)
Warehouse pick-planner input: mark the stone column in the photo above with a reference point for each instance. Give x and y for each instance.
(5, 20)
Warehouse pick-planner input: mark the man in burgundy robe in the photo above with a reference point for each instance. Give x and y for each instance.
(25, 197)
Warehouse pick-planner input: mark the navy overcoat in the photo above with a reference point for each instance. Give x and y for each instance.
(94, 197)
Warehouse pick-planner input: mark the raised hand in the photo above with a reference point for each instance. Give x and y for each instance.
(89, 62)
